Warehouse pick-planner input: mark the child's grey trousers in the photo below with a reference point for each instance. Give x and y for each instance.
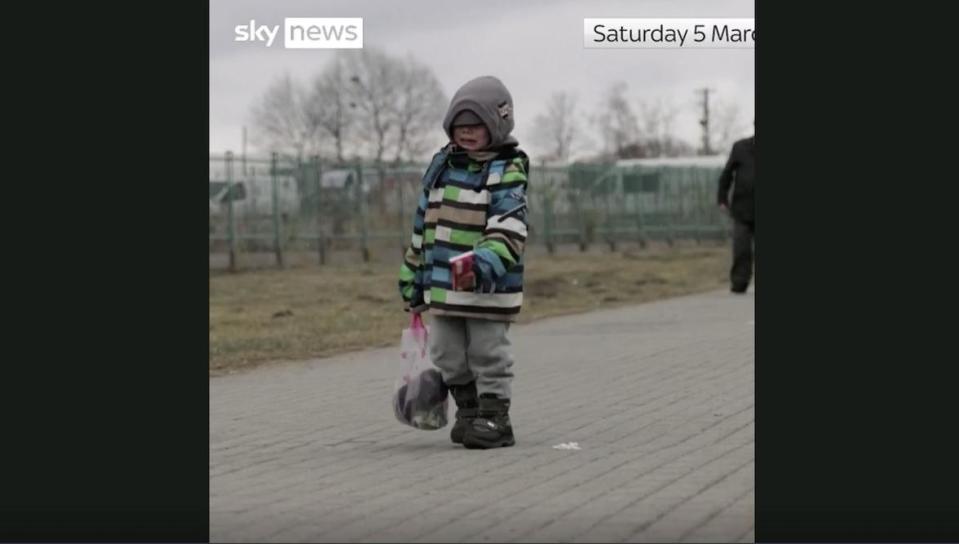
(465, 349)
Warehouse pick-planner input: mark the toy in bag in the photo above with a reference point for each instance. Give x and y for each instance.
(420, 398)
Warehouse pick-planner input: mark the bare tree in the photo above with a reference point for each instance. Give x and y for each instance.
(726, 124)
(616, 121)
(671, 146)
(375, 90)
(281, 121)
(651, 120)
(419, 109)
(329, 103)
(364, 103)
(557, 128)
(657, 119)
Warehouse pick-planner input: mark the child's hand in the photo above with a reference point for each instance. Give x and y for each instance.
(483, 282)
(417, 304)
(418, 309)
(466, 282)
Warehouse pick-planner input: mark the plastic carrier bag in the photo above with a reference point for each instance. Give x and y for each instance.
(420, 397)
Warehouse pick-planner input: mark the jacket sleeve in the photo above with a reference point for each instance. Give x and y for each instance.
(411, 271)
(504, 239)
(726, 177)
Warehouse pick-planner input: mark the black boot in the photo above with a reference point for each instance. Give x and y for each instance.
(466, 409)
(492, 429)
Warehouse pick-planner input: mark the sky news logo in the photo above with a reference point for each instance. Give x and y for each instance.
(306, 33)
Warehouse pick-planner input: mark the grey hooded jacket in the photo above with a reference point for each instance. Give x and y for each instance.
(487, 97)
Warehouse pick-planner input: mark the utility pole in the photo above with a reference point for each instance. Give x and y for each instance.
(704, 122)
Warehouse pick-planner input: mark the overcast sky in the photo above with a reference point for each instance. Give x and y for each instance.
(535, 47)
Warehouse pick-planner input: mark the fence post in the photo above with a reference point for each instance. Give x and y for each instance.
(610, 232)
(640, 227)
(361, 200)
(669, 214)
(580, 220)
(402, 212)
(700, 220)
(277, 245)
(320, 236)
(687, 207)
(548, 221)
(230, 219)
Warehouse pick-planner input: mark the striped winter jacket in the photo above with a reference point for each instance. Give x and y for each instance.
(460, 210)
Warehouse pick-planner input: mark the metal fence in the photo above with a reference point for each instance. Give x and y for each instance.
(278, 208)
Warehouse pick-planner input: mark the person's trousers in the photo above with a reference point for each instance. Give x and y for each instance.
(473, 349)
(742, 270)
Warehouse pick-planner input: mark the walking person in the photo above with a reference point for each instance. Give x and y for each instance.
(740, 175)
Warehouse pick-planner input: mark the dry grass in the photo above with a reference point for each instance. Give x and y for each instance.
(276, 315)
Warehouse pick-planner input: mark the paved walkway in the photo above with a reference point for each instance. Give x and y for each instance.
(659, 398)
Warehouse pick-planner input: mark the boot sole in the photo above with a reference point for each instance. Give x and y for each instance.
(478, 444)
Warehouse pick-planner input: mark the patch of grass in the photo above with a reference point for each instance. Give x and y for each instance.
(301, 313)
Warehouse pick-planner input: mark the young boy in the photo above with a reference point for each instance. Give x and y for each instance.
(473, 199)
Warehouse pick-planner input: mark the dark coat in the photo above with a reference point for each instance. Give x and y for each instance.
(740, 173)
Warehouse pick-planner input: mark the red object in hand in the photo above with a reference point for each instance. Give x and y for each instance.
(461, 271)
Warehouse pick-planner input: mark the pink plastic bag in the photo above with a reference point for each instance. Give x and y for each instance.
(420, 397)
